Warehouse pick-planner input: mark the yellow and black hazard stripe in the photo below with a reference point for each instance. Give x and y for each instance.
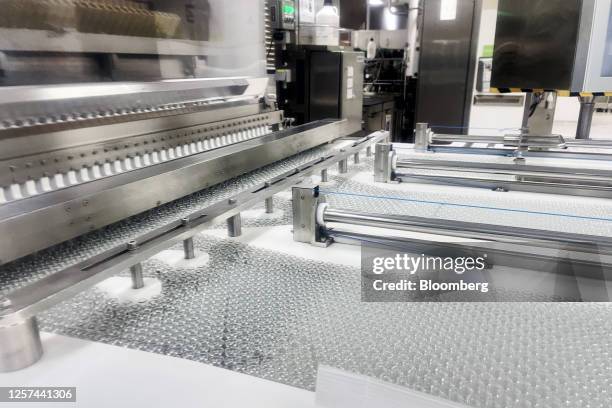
(560, 92)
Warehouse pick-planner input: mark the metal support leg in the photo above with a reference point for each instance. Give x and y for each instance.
(389, 126)
(189, 248)
(343, 166)
(585, 120)
(421, 137)
(383, 163)
(356, 158)
(234, 226)
(137, 276)
(324, 176)
(269, 205)
(20, 345)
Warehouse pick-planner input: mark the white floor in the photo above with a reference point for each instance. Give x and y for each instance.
(109, 376)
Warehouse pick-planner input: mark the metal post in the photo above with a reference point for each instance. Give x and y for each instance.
(234, 226)
(389, 126)
(269, 205)
(189, 249)
(324, 176)
(20, 345)
(383, 162)
(356, 158)
(587, 108)
(421, 137)
(136, 270)
(369, 151)
(137, 276)
(343, 166)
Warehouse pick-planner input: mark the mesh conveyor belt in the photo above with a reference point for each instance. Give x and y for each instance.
(31, 268)
(277, 317)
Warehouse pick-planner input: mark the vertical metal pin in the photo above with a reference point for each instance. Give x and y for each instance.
(137, 276)
(324, 176)
(189, 248)
(369, 151)
(234, 226)
(269, 205)
(356, 158)
(343, 166)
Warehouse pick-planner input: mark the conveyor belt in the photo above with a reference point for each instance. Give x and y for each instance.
(29, 269)
(277, 316)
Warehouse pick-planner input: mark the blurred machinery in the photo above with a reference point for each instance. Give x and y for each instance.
(559, 47)
(129, 127)
(317, 82)
(313, 81)
(110, 109)
(426, 57)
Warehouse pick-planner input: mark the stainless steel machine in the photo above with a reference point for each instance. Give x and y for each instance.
(83, 149)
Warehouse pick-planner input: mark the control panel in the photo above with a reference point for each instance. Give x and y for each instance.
(283, 14)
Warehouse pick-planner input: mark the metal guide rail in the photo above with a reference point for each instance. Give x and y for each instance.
(47, 219)
(502, 177)
(520, 146)
(57, 136)
(19, 337)
(315, 222)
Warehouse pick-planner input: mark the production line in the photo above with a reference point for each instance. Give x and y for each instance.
(180, 227)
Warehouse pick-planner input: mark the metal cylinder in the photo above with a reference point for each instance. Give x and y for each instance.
(20, 345)
(324, 176)
(389, 125)
(234, 226)
(356, 158)
(421, 137)
(189, 249)
(269, 205)
(587, 109)
(137, 276)
(343, 166)
(369, 151)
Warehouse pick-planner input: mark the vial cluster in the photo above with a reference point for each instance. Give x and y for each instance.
(29, 269)
(278, 317)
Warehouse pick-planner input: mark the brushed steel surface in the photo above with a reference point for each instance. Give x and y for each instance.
(44, 155)
(41, 221)
(27, 301)
(34, 102)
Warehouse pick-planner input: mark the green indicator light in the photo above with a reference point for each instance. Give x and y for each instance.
(288, 9)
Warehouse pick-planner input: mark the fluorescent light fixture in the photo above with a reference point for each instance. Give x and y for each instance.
(376, 2)
(390, 20)
(448, 10)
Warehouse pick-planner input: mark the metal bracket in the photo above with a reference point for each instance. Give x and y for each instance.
(306, 200)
